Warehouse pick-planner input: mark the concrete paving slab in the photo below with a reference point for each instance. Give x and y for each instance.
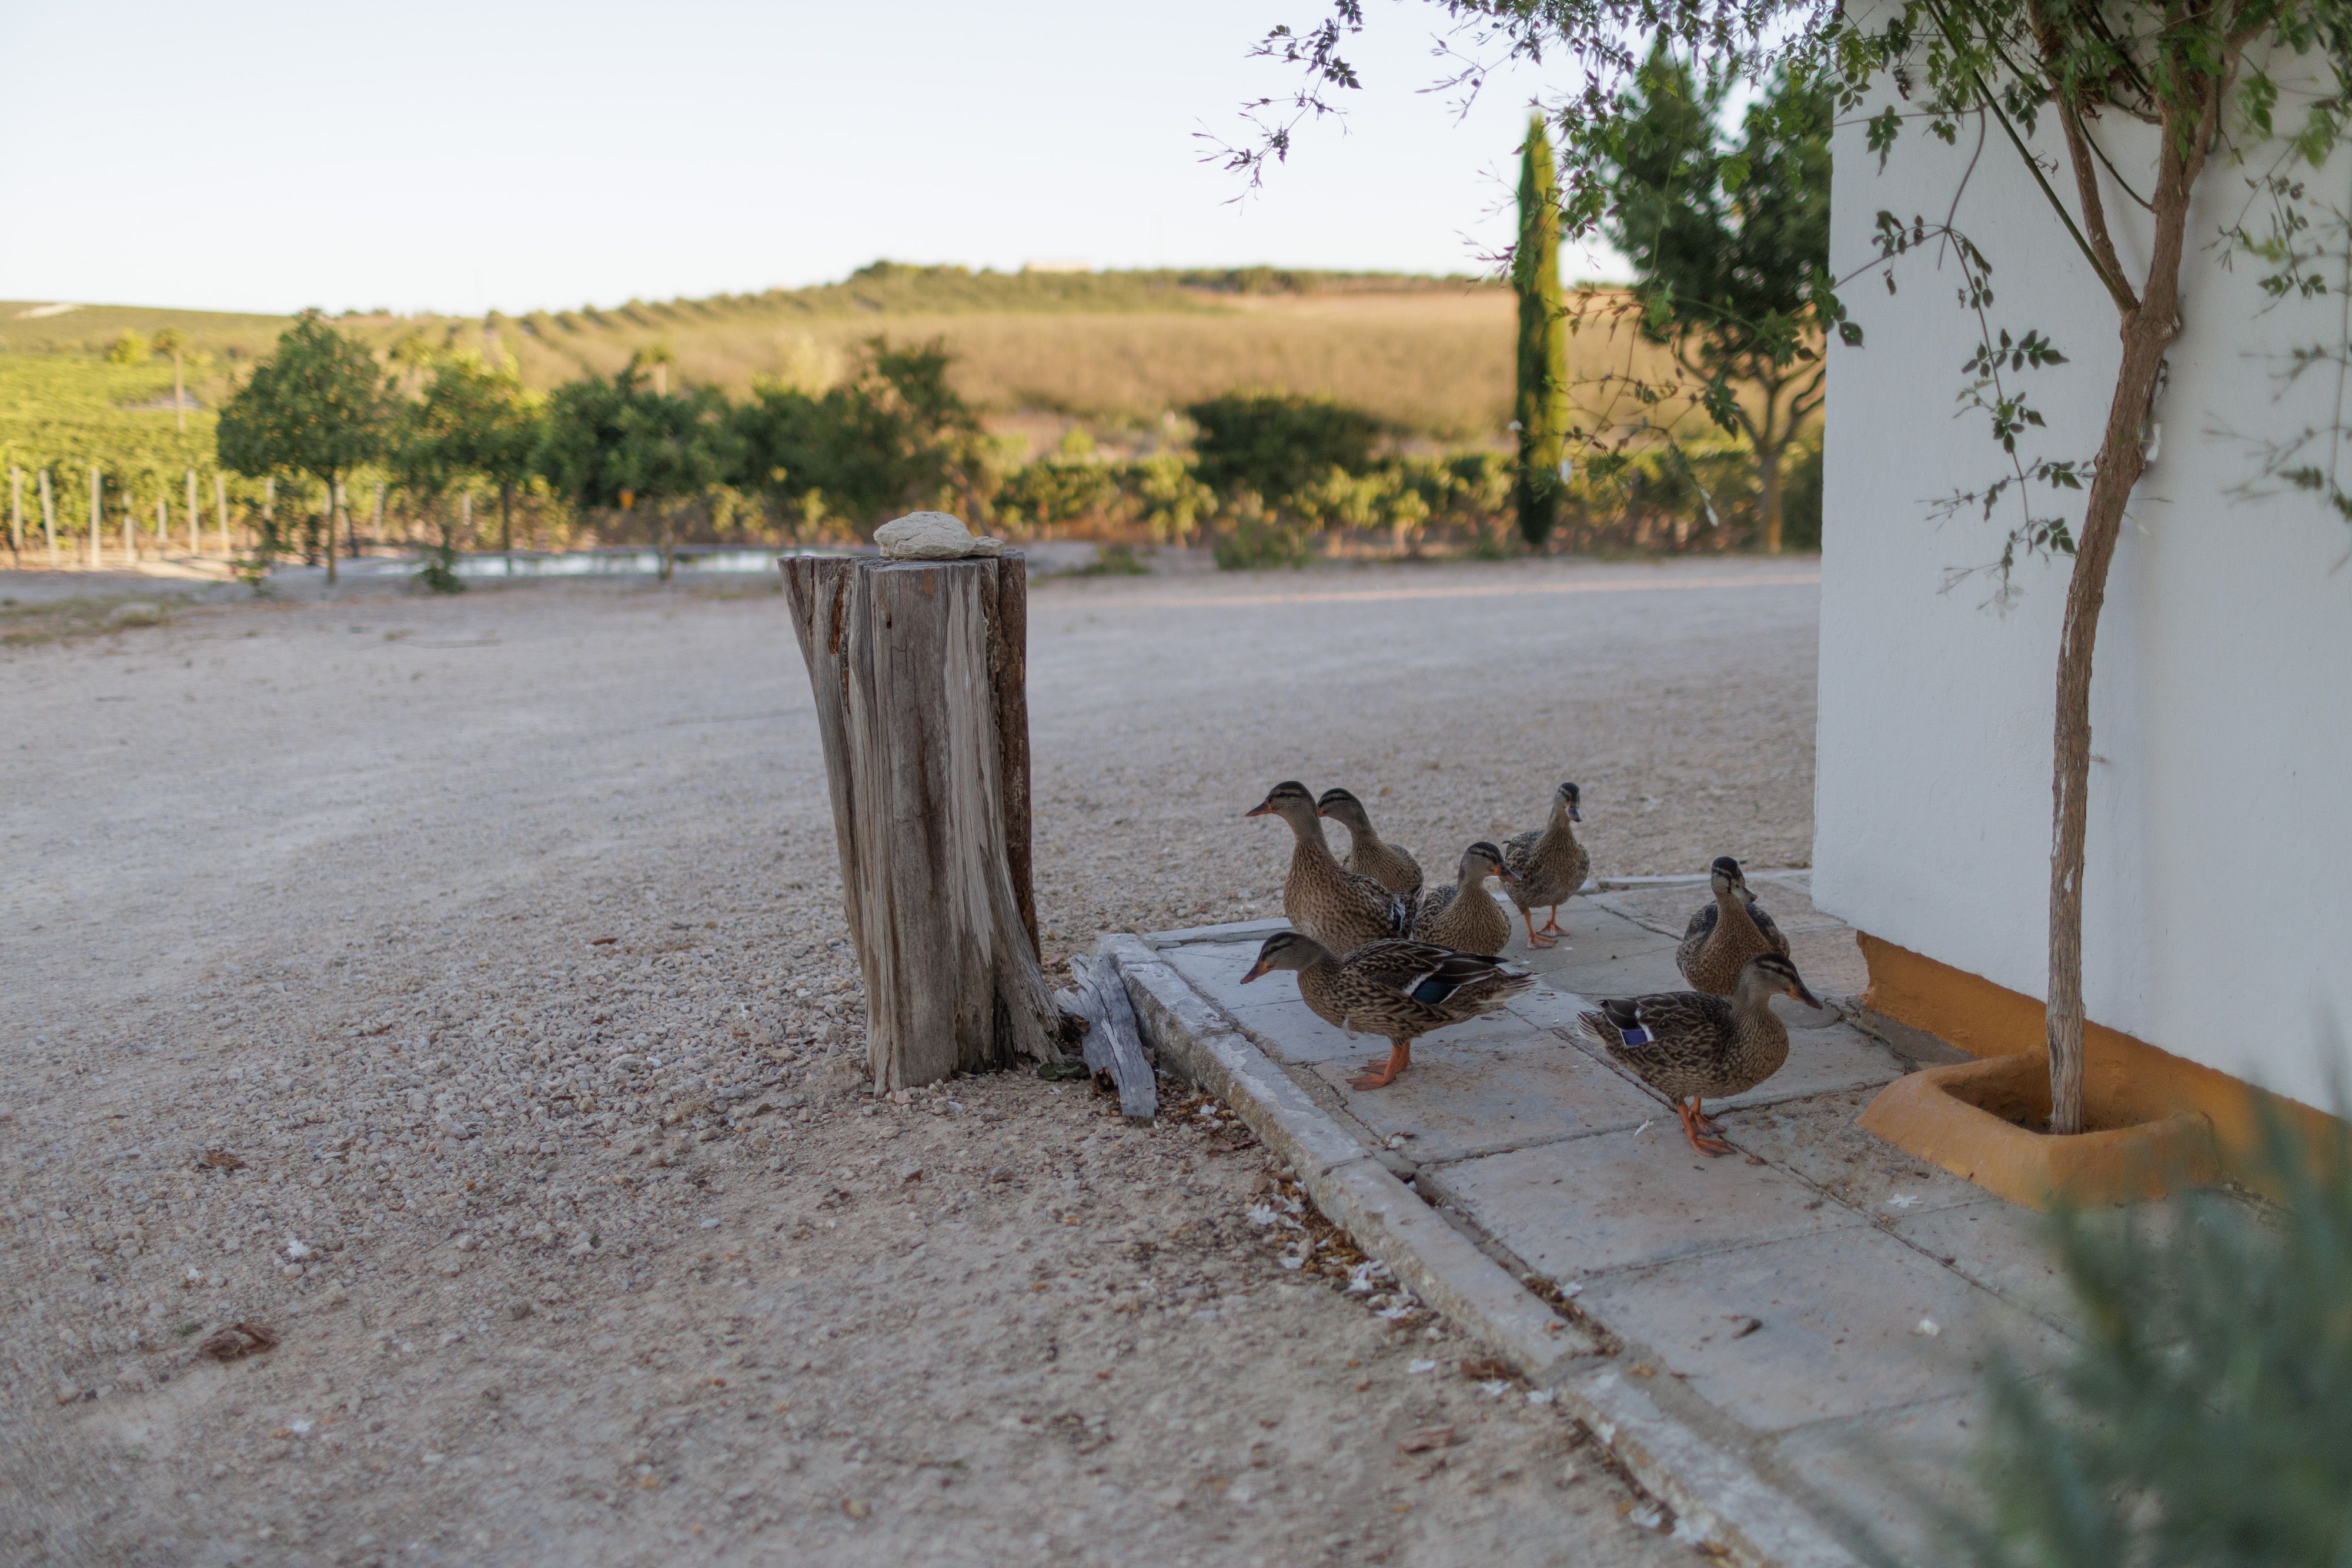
(1882, 1476)
(1838, 1316)
(1626, 1199)
(2002, 1246)
(1471, 1097)
(1818, 1140)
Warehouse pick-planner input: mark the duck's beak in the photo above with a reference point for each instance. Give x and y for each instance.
(1806, 996)
(1321, 812)
(1255, 970)
(1260, 810)
(1573, 814)
(1505, 873)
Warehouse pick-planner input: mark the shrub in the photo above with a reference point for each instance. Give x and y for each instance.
(1277, 443)
(1260, 539)
(2206, 1416)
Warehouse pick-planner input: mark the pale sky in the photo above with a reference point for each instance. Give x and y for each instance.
(521, 153)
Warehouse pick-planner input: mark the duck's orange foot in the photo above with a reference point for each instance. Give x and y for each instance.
(1381, 1077)
(1708, 1142)
(1551, 923)
(1534, 939)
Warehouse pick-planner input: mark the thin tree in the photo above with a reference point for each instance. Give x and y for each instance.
(1541, 403)
(318, 406)
(1728, 244)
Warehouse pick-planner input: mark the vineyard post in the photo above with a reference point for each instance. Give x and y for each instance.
(162, 527)
(96, 513)
(220, 508)
(130, 534)
(49, 519)
(15, 510)
(194, 545)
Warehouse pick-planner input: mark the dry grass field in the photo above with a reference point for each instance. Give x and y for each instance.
(1120, 350)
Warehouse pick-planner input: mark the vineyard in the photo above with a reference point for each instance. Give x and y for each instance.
(1077, 381)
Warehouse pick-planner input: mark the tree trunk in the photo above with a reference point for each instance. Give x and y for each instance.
(918, 670)
(333, 490)
(2148, 333)
(506, 520)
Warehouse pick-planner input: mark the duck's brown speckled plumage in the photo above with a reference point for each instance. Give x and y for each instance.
(1369, 854)
(1549, 863)
(1725, 934)
(1702, 1047)
(1324, 899)
(1459, 915)
(1399, 990)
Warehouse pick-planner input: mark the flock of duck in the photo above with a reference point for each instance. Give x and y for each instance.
(1376, 950)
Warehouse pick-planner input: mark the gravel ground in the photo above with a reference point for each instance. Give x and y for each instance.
(455, 989)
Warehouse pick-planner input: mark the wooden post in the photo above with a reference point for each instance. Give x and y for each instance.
(15, 510)
(919, 670)
(195, 545)
(49, 519)
(162, 527)
(130, 534)
(220, 510)
(96, 513)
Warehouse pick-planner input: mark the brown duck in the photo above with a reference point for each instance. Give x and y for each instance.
(1367, 853)
(1401, 990)
(1723, 935)
(1324, 899)
(1549, 866)
(1461, 915)
(1688, 1045)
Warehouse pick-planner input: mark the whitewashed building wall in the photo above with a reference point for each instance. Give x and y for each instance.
(2218, 918)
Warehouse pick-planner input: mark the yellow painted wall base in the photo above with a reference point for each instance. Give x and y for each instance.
(2126, 1082)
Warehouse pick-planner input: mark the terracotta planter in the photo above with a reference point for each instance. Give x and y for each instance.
(1976, 1120)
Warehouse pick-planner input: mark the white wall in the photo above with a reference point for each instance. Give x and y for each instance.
(2218, 911)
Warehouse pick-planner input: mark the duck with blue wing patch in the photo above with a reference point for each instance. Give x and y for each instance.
(1688, 1045)
(1399, 990)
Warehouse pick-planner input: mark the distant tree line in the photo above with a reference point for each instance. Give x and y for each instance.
(628, 457)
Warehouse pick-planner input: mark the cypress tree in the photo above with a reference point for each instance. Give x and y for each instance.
(1541, 407)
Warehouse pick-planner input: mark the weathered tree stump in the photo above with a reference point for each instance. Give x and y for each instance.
(919, 670)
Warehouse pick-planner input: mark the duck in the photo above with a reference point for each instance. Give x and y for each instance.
(1324, 899)
(1547, 865)
(1461, 916)
(1398, 990)
(1368, 854)
(1723, 935)
(1689, 1046)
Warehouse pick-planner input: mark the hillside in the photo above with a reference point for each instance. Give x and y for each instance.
(1114, 349)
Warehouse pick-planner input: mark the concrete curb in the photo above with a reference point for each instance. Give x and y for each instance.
(1719, 1498)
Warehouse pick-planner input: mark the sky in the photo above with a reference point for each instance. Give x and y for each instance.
(522, 154)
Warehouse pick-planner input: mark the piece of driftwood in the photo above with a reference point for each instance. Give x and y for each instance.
(1113, 1042)
(918, 670)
